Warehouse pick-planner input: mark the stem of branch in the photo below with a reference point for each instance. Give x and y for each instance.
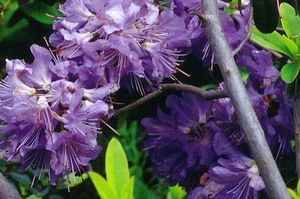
(7, 191)
(208, 95)
(297, 124)
(235, 51)
(275, 185)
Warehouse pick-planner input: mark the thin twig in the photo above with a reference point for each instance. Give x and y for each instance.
(208, 95)
(7, 191)
(255, 136)
(297, 124)
(247, 37)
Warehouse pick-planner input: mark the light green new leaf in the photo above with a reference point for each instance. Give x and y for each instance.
(289, 72)
(127, 190)
(298, 187)
(272, 41)
(116, 166)
(290, 21)
(291, 45)
(105, 191)
(293, 193)
(176, 192)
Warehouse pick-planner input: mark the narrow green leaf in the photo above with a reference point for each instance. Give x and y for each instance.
(127, 190)
(272, 41)
(290, 22)
(116, 165)
(292, 193)
(289, 72)
(104, 190)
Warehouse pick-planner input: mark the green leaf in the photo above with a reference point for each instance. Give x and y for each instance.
(291, 45)
(116, 165)
(298, 187)
(273, 41)
(289, 72)
(127, 189)
(290, 22)
(104, 190)
(8, 32)
(265, 14)
(21, 178)
(13, 7)
(38, 10)
(55, 196)
(33, 197)
(176, 192)
(141, 190)
(298, 42)
(292, 193)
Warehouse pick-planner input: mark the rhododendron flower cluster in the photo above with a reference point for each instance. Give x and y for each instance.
(130, 38)
(50, 118)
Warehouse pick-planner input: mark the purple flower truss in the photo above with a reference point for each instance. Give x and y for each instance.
(49, 117)
(127, 37)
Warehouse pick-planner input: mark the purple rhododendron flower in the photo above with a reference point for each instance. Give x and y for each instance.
(50, 118)
(235, 24)
(123, 36)
(182, 141)
(231, 178)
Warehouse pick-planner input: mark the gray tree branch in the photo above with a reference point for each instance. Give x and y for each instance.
(208, 95)
(275, 185)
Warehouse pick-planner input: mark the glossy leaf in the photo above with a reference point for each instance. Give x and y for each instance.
(291, 45)
(289, 20)
(272, 41)
(116, 166)
(104, 189)
(289, 72)
(265, 15)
